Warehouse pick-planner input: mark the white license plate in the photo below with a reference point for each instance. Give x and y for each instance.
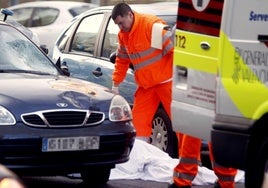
(70, 143)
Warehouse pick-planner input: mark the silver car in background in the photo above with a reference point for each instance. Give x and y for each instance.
(48, 18)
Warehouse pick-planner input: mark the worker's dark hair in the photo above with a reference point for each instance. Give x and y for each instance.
(120, 9)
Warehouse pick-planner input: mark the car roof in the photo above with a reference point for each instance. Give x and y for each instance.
(58, 4)
(4, 23)
(163, 8)
(160, 8)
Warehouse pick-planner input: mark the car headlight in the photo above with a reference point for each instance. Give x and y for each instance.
(6, 118)
(119, 109)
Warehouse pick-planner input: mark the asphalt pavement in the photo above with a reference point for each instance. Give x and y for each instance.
(65, 182)
(149, 184)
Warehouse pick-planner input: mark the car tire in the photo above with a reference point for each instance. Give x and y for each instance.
(96, 175)
(162, 135)
(257, 158)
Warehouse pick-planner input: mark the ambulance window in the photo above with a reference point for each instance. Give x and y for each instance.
(200, 16)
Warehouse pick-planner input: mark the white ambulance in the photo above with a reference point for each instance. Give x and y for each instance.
(220, 81)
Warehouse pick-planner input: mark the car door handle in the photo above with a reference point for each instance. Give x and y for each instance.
(205, 45)
(97, 72)
(264, 39)
(182, 71)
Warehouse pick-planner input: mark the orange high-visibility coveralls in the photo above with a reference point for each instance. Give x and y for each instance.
(186, 170)
(152, 66)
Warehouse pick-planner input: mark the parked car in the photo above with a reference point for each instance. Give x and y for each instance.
(85, 47)
(51, 124)
(48, 18)
(6, 13)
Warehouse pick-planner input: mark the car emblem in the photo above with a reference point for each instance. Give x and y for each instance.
(62, 105)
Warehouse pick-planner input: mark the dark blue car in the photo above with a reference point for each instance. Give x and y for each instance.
(51, 124)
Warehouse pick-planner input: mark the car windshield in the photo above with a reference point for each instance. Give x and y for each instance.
(18, 54)
(170, 19)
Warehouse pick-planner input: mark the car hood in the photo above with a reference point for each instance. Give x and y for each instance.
(22, 93)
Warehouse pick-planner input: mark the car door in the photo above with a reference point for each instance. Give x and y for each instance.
(88, 50)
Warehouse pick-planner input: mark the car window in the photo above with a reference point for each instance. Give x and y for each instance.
(35, 17)
(110, 41)
(19, 54)
(85, 37)
(44, 16)
(78, 10)
(170, 19)
(65, 37)
(22, 15)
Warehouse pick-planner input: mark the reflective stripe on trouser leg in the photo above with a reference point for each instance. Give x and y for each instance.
(226, 176)
(189, 160)
(185, 171)
(186, 177)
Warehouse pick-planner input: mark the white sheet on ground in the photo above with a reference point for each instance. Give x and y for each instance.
(147, 162)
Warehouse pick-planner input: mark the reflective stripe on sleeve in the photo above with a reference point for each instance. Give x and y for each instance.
(147, 62)
(142, 54)
(123, 56)
(121, 52)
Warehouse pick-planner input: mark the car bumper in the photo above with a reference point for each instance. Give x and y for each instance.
(21, 148)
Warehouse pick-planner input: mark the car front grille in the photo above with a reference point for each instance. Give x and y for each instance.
(63, 118)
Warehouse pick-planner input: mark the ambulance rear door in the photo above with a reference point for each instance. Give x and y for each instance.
(196, 61)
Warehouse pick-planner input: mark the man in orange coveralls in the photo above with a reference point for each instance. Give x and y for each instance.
(145, 42)
(186, 170)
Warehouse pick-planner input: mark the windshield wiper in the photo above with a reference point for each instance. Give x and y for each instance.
(23, 71)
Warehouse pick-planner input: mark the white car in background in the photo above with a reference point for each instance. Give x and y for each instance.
(48, 18)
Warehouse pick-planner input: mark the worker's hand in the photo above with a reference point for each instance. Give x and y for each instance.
(115, 89)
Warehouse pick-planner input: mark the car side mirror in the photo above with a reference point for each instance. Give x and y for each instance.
(63, 67)
(97, 72)
(44, 48)
(113, 57)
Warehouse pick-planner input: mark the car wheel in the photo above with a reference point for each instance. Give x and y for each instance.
(96, 175)
(265, 180)
(256, 162)
(162, 135)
